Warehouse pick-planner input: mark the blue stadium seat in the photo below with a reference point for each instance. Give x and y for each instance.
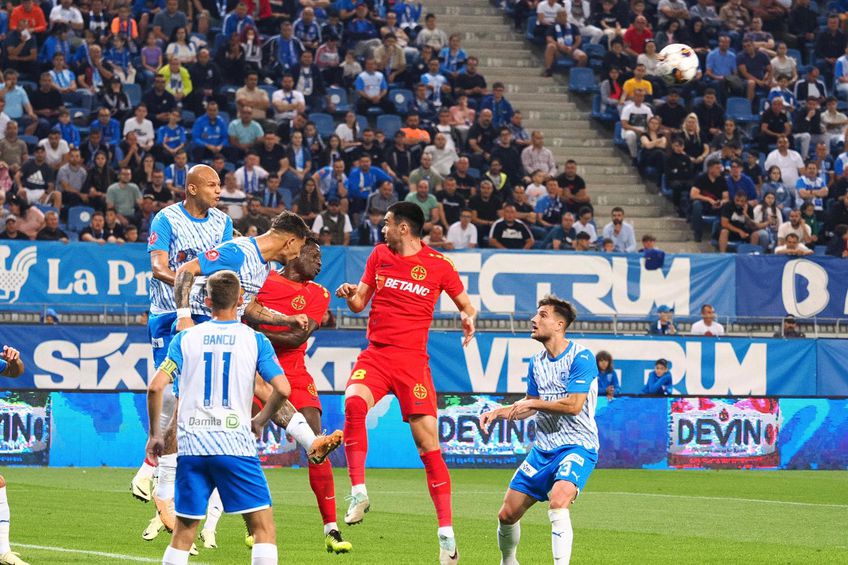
(617, 139)
(361, 121)
(582, 81)
(400, 97)
(529, 32)
(44, 208)
(606, 117)
(338, 97)
(739, 109)
(30, 140)
(133, 92)
(820, 250)
(389, 124)
(188, 118)
(79, 217)
(749, 249)
(595, 52)
(323, 123)
(269, 88)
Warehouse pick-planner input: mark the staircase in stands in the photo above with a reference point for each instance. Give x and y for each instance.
(546, 105)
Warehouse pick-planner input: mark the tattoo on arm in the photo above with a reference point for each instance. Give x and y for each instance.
(182, 288)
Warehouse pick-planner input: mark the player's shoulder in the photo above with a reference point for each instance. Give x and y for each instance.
(317, 289)
(438, 259)
(219, 215)
(581, 353)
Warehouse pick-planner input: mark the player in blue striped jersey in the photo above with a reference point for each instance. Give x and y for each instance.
(11, 365)
(562, 393)
(214, 365)
(179, 233)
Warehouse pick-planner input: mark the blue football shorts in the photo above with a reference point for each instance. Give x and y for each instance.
(541, 469)
(239, 480)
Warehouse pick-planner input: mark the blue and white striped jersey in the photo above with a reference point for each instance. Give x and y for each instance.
(184, 237)
(214, 365)
(573, 371)
(241, 256)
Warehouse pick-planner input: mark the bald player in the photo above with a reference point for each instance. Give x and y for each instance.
(179, 233)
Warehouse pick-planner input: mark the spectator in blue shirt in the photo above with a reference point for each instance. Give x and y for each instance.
(170, 138)
(607, 377)
(69, 131)
(362, 181)
(360, 27)
(659, 380)
(209, 134)
(754, 67)
(108, 125)
(501, 108)
(622, 235)
(721, 67)
(287, 48)
(307, 30)
(737, 181)
(237, 20)
(665, 324)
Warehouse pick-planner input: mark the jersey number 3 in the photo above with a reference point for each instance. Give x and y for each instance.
(224, 364)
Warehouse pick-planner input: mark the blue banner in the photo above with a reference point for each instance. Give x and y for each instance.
(90, 430)
(769, 286)
(116, 358)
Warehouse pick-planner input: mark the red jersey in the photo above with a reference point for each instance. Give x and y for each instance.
(405, 293)
(292, 298)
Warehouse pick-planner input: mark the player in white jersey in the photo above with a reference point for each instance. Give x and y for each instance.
(250, 258)
(214, 365)
(11, 365)
(562, 392)
(178, 234)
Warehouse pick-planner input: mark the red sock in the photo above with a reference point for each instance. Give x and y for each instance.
(439, 483)
(321, 481)
(356, 438)
(147, 461)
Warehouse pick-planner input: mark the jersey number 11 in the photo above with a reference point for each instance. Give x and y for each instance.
(224, 363)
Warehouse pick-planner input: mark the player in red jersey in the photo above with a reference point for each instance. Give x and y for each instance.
(291, 292)
(403, 280)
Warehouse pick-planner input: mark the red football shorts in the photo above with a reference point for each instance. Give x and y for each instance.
(303, 391)
(403, 372)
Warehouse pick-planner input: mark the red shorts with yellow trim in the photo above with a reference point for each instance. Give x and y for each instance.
(403, 372)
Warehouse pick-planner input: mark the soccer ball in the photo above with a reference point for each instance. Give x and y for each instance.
(678, 64)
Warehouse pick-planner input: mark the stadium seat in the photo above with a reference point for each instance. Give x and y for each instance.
(749, 249)
(79, 217)
(188, 118)
(28, 85)
(133, 92)
(361, 121)
(582, 81)
(820, 250)
(269, 88)
(739, 109)
(607, 117)
(400, 97)
(338, 97)
(389, 124)
(30, 140)
(323, 123)
(563, 64)
(596, 53)
(530, 32)
(617, 139)
(44, 208)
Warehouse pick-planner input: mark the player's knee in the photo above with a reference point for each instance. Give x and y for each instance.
(563, 495)
(355, 407)
(508, 516)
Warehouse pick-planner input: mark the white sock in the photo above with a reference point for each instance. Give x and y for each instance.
(329, 527)
(447, 540)
(263, 554)
(174, 557)
(214, 511)
(299, 429)
(508, 537)
(146, 471)
(167, 476)
(561, 535)
(5, 516)
(359, 489)
(446, 531)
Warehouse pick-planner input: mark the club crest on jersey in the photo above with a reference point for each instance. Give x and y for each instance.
(310, 388)
(181, 256)
(212, 255)
(419, 391)
(381, 282)
(419, 273)
(298, 302)
(152, 239)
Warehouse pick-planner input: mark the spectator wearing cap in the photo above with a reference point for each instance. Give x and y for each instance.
(737, 181)
(708, 193)
(620, 232)
(13, 150)
(337, 222)
(789, 329)
(707, 326)
(659, 380)
(11, 231)
(50, 317)
(665, 322)
(51, 231)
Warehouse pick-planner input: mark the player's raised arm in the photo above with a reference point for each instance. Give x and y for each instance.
(182, 291)
(356, 296)
(14, 365)
(158, 245)
(258, 315)
(294, 337)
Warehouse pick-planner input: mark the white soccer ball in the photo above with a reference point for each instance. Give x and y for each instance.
(678, 63)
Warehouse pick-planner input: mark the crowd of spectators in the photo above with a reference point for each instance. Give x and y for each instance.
(768, 106)
(106, 104)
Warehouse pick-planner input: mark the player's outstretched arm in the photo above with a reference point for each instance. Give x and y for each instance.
(155, 392)
(517, 411)
(467, 314)
(14, 363)
(356, 296)
(258, 315)
(571, 405)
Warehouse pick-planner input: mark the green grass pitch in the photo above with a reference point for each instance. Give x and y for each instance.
(625, 516)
